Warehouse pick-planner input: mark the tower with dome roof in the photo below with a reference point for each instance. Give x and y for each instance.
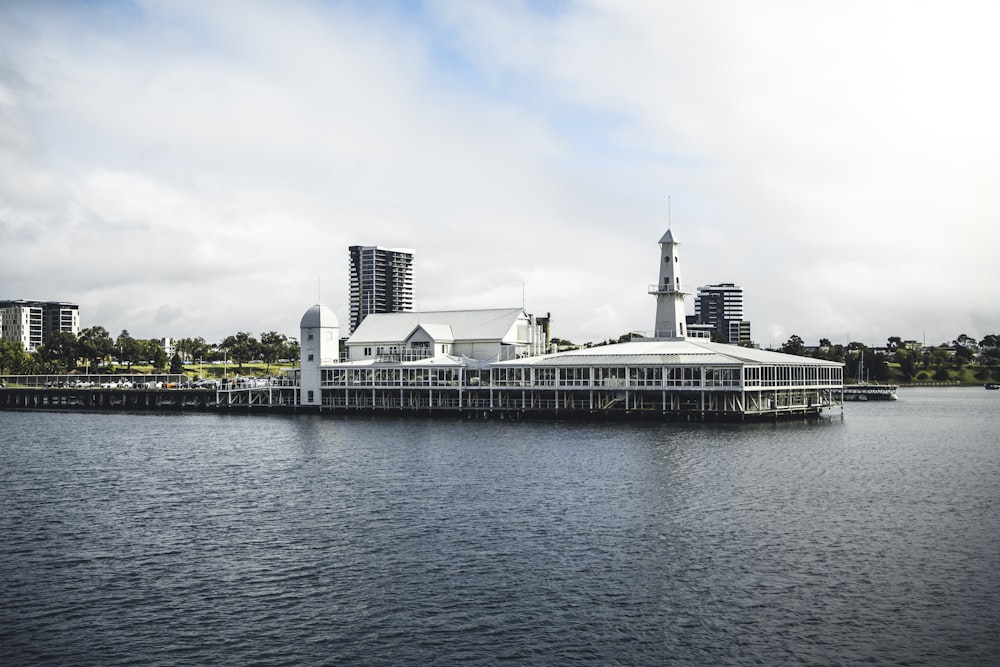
(319, 342)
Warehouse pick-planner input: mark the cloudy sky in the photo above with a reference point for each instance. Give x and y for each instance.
(200, 168)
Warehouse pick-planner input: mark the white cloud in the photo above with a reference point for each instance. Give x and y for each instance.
(185, 169)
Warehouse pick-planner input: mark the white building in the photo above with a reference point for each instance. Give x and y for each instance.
(480, 335)
(319, 341)
(32, 323)
(492, 362)
(669, 292)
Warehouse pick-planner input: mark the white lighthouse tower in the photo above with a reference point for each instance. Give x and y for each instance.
(669, 292)
(320, 345)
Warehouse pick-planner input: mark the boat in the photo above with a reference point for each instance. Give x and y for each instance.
(863, 390)
(870, 392)
(993, 385)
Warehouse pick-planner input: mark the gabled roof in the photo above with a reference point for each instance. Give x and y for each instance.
(491, 324)
(437, 360)
(669, 353)
(438, 332)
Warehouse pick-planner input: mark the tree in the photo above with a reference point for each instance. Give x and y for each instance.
(159, 357)
(991, 340)
(963, 355)
(13, 357)
(907, 363)
(127, 349)
(60, 353)
(176, 365)
(894, 343)
(965, 341)
(291, 350)
(794, 345)
(95, 345)
(272, 344)
(242, 348)
(192, 349)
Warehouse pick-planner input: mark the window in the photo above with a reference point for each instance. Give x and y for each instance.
(545, 377)
(310, 357)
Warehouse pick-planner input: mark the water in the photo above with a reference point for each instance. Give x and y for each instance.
(291, 540)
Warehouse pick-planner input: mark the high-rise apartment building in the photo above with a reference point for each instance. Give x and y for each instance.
(32, 323)
(381, 281)
(721, 307)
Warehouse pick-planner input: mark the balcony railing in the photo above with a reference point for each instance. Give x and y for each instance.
(668, 289)
(409, 354)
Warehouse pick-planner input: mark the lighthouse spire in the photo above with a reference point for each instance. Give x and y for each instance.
(669, 290)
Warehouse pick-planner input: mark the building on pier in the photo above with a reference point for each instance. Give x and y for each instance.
(494, 334)
(429, 362)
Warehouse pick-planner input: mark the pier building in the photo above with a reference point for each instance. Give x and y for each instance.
(496, 363)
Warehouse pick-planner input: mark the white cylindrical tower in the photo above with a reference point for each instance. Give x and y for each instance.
(669, 292)
(320, 345)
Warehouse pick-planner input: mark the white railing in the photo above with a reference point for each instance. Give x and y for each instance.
(668, 289)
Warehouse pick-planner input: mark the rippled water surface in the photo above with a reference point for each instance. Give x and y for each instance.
(289, 540)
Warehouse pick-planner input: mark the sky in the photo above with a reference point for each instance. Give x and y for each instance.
(190, 169)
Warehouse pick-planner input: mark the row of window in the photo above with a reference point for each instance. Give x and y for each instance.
(586, 376)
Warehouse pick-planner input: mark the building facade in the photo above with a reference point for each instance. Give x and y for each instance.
(494, 363)
(381, 281)
(721, 308)
(32, 323)
(495, 334)
(669, 292)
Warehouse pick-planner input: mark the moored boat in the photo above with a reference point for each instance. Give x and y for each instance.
(870, 392)
(865, 391)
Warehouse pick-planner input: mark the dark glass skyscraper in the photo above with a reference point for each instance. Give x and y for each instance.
(721, 306)
(381, 281)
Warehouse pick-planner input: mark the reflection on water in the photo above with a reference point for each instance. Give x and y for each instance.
(296, 540)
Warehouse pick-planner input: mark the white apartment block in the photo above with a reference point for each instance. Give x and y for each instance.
(32, 323)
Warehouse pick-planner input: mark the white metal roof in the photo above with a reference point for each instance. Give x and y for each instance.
(491, 324)
(318, 316)
(445, 360)
(668, 353)
(440, 332)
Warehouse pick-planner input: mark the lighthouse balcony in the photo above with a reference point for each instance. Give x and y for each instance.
(668, 289)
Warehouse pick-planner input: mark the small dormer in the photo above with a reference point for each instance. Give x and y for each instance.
(430, 340)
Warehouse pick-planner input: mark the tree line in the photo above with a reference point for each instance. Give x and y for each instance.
(94, 350)
(900, 362)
